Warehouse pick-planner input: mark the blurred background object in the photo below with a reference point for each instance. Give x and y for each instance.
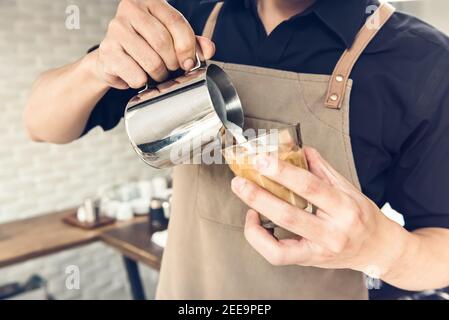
(41, 178)
(35, 288)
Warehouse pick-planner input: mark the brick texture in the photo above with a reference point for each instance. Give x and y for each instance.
(38, 178)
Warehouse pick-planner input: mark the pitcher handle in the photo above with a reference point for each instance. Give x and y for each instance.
(174, 74)
(198, 65)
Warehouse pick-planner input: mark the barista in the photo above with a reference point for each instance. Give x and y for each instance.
(387, 143)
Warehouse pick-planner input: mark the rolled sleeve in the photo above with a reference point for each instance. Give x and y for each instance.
(419, 183)
(109, 110)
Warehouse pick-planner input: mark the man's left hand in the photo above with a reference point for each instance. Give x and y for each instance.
(348, 230)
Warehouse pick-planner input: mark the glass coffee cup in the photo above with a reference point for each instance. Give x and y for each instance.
(284, 144)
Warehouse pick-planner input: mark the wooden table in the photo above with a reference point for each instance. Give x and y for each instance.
(134, 243)
(27, 239)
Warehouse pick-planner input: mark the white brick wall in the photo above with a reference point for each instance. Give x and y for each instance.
(38, 178)
(431, 11)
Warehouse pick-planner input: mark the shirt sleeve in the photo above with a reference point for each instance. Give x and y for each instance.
(419, 180)
(108, 112)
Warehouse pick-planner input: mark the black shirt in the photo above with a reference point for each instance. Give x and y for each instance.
(399, 115)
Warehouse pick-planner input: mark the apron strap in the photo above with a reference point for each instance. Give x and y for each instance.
(211, 22)
(340, 76)
(343, 69)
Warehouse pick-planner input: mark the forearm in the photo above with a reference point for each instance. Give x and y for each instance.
(424, 262)
(62, 100)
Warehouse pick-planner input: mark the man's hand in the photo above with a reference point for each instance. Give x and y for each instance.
(348, 230)
(147, 38)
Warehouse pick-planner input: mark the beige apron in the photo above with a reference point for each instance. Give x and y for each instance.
(207, 256)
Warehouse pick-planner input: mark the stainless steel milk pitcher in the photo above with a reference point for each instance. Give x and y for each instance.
(186, 113)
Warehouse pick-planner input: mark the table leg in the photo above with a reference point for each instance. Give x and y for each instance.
(134, 279)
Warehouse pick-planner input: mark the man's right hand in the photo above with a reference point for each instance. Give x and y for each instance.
(147, 38)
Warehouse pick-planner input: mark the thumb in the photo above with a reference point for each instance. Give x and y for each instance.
(206, 47)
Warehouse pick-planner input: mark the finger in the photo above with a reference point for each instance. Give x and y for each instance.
(157, 36)
(129, 70)
(314, 167)
(282, 213)
(324, 170)
(145, 56)
(303, 183)
(180, 30)
(116, 82)
(206, 46)
(276, 252)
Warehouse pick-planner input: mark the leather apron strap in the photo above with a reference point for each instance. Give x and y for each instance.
(340, 76)
(343, 69)
(211, 22)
